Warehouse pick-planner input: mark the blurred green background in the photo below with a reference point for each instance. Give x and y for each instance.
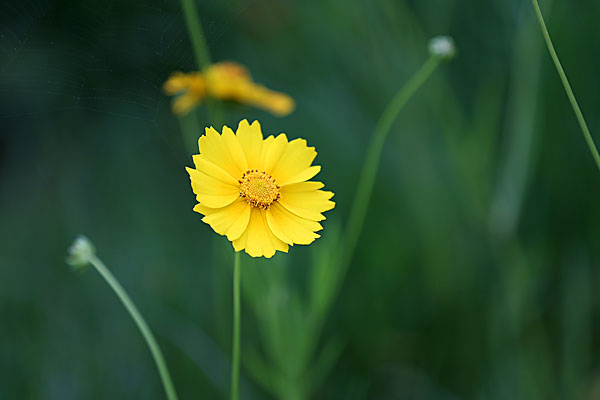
(476, 273)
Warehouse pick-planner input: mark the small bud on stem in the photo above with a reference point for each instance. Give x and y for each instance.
(81, 252)
(443, 47)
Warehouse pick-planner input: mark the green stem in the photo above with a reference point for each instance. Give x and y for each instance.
(235, 367)
(202, 55)
(196, 34)
(371, 164)
(567, 86)
(141, 324)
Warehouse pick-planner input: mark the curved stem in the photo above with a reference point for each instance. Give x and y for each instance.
(371, 164)
(563, 77)
(141, 324)
(235, 367)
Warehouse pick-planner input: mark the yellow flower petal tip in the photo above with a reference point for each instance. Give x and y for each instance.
(225, 80)
(257, 192)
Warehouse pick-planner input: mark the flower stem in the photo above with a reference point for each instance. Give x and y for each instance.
(567, 86)
(371, 164)
(201, 54)
(141, 324)
(235, 367)
(196, 34)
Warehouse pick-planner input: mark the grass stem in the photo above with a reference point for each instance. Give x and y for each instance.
(563, 77)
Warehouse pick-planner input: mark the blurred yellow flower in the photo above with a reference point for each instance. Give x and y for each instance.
(226, 81)
(256, 191)
(190, 87)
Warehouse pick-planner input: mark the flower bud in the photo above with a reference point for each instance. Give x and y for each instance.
(443, 47)
(81, 252)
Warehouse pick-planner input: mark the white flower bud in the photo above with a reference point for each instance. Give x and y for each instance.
(442, 46)
(81, 252)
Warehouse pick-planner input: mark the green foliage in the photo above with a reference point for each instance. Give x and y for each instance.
(476, 271)
(290, 320)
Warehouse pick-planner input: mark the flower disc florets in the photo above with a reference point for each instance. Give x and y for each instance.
(259, 189)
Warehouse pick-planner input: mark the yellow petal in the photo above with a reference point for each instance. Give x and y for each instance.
(215, 149)
(258, 240)
(309, 204)
(202, 209)
(289, 227)
(184, 103)
(227, 80)
(234, 148)
(296, 158)
(279, 104)
(203, 183)
(177, 82)
(231, 220)
(266, 144)
(303, 186)
(273, 152)
(216, 201)
(251, 140)
(302, 176)
(306, 223)
(210, 191)
(208, 168)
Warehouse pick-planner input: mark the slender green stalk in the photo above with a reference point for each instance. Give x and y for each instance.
(141, 324)
(371, 164)
(567, 86)
(202, 56)
(235, 367)
(196, 34)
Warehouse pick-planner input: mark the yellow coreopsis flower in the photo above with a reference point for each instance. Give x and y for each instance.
(257, 191)
(226, 81)
(190, 87)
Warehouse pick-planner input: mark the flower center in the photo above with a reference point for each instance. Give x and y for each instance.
(258, 188)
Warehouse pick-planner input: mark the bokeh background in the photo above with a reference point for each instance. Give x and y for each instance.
(476, 274)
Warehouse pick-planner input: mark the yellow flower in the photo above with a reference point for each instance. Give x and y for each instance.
(256, 191)
(226, 81)
(192, 89)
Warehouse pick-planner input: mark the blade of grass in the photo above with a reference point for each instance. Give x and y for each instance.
(563, 77)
